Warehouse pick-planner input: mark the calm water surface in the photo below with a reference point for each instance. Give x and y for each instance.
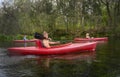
(104, 62)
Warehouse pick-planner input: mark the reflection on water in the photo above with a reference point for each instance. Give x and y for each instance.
(33, 66)
(104, 62)
(88, 57)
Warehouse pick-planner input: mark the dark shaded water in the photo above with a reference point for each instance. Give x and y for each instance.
(104, 62)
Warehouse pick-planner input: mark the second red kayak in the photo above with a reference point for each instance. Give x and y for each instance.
(91, 39)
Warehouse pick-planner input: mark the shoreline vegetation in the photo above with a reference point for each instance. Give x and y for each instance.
(56, 36)
(63, 19)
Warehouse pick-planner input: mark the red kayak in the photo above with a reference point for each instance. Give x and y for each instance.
(23, 41)
(59, 49)
(91, 39)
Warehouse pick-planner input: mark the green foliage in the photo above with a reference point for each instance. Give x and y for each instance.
(72, 16)
(14, 37)
(5, 38)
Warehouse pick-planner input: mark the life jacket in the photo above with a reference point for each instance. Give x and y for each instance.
(39, 44)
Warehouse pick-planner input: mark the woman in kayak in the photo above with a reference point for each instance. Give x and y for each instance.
(44, 40)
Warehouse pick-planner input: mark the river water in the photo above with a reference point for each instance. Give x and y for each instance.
(104, 62)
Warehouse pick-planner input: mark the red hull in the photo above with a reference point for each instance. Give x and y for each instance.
(23, 41)
(91, 39)
(61, 49)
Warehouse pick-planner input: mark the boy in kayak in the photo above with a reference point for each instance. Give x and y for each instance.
(45, 40)
(45, 34)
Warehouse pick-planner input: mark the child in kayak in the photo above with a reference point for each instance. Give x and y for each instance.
(45, 34)
(88, 36)
(47, 41)
(25, 38)
(44, 40)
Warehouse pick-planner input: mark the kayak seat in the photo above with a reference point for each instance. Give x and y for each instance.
(39, 43)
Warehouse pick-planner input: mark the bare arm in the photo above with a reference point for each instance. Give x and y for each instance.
(47, 43)
(58, 42)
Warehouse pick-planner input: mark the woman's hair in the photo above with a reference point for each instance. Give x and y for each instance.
(39, 36)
